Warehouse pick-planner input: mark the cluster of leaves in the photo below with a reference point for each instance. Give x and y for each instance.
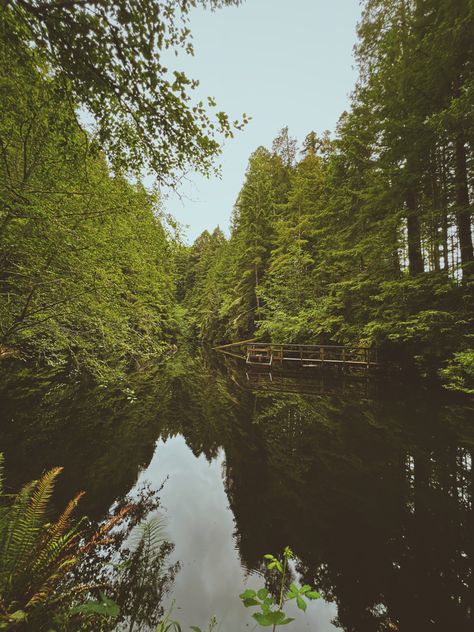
(271, 610)
(459, 372)
(92, 49)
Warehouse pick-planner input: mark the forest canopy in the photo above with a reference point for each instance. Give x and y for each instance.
(107, 56)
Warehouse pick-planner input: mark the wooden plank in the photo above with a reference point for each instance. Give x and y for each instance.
(234, 355)
(233, 344)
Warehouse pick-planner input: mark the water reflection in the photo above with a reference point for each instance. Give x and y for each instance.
(371, 484)
(202, 527)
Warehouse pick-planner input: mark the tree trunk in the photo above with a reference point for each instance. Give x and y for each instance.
(415, 257)
(463, 212)
(435, 215)
(444, 208)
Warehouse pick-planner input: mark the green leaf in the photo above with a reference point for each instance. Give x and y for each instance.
(301, 603)
(268, 556)
(106, 607)
(313, 595)
(248, 594)
(250, 602)
(270, 618)
(266, 606)
(262, 619)
(17, 616)
(262, 593)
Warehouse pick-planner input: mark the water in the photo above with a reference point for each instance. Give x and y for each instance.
(370, 483)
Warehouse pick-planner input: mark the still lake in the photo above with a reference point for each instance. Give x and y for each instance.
(369, 481)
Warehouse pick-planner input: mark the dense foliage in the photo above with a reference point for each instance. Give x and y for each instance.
(86, 261)
(37, 555)
(365, 237)
(94, 47)
(85, 271)
(362, 237)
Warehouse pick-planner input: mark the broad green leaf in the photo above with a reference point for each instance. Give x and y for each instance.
(301, 603)
(270, 618)
(17, 616)
(313, 595)
(262, 593)
(250, 601)
(105, 608)
(266, 606)
(248, 594)
(263, 619)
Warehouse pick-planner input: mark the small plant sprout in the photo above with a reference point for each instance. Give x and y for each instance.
(271, 611)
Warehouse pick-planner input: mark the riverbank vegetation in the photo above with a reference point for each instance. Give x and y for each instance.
(62, 572)
(59, 574)
(362, 236)
(86, 255)
(85, 259)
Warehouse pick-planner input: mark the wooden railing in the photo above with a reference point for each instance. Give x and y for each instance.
(264, 353)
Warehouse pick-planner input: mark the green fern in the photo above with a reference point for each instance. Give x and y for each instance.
(37, 555)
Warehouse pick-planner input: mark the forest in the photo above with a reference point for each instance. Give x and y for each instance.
(362, 235)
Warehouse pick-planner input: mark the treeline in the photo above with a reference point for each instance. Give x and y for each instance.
(366, 236)
(86, 272)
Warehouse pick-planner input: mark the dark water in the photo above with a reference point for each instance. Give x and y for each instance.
(371, 484)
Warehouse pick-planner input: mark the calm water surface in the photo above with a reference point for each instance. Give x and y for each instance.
(370, 483)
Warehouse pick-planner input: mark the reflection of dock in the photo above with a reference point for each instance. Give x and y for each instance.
(268, 382)
(267, 354)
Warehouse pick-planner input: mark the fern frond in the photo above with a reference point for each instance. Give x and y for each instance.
(11, 519)
(62, 522)
(149, 536)
(25, 536)
(57, 542)
(97, 537)
(52, 551)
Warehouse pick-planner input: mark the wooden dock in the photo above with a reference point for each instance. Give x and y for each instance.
(268, 354)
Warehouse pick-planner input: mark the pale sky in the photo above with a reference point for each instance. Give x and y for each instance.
(283, 62)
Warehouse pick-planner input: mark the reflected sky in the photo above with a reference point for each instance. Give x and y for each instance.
(201, 525)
